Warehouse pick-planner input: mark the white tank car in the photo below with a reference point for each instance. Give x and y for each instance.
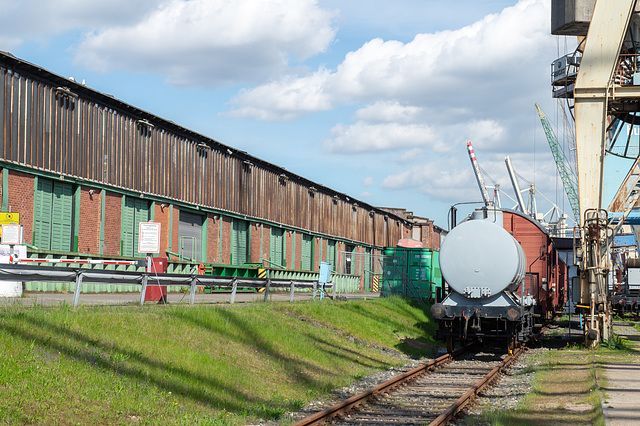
(480, 259)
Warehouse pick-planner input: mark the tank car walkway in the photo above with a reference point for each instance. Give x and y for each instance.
(621, 387)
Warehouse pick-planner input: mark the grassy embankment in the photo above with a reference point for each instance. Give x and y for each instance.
(566, 387)
(193, 365)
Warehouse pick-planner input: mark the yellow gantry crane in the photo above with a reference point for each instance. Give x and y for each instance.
(603, 92)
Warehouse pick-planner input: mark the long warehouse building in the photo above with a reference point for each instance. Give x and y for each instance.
(83, 169)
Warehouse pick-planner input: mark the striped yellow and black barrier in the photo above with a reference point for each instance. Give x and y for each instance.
(375, 286)
(262, 273)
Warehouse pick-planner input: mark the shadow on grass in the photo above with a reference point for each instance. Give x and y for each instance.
(538, 416)
(109, 356)
(249, 334)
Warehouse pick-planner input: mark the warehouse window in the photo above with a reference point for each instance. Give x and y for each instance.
(306, 253)
(348, 262)
(276, 247)
(190, 236)
(134, 211)
(239, 242)
(53, 215)
(331, 254)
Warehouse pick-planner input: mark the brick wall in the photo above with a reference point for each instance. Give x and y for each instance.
(316, 255)
(266, 240)
(90, 218)
(20, 197)
(213, 238)
(226, 240)
(298, 248)
(112, 222)
(255, 256)
(289, 238)
(175, 235)
(161, 216)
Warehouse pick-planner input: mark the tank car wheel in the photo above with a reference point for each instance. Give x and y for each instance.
(450, 344)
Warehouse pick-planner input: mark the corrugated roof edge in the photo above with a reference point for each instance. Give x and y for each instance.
(11, 61)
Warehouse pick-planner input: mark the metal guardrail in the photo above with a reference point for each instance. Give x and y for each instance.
(15, 272)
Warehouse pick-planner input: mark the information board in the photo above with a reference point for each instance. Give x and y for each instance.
(149, 237)
(11, 234)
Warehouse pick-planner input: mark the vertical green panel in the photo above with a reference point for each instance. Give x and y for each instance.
(103, 196)
(127, 218)
(141, 214)
(331, 254)
(5, 189)
(42, 201)
(276, 246)
(62, 217)
(306, 252)
(76, 218)
(205, 238)
(170, 230)
(239, 246)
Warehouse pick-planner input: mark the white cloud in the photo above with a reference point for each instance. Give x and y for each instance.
(37, 19)
(390, 111)
(409, 155)
(443, 180)
(368, 181)
(364, 137)
(490, 61)
(208, 43)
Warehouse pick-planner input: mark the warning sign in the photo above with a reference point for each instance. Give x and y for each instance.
(9, 218)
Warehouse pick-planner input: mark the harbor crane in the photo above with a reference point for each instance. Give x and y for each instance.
(479, 178)
(568, 176)
(605, 95)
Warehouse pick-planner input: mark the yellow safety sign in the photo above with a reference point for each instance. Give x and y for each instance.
(9, 218)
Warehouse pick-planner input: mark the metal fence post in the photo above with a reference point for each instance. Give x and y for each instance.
(234, 288)
(292, 291)
(192, 297)
(266, 290)
(315, 289)
(76, 294)
(145, 278)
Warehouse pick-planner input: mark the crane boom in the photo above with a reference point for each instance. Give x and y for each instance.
(476, 170)
(569, 178)
(516, 187)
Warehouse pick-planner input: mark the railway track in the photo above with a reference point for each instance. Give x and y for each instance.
(430, 394)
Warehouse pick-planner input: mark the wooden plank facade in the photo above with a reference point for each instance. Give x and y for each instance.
(53, 127)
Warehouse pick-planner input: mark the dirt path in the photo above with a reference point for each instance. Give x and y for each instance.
(622, 382)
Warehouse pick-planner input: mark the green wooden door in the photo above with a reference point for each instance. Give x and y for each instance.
(53, 215)
(306, 253)
(134, 211)
(239, 242)
(331, 254)
(276, 246)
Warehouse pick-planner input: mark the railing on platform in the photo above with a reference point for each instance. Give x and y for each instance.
(77, 277)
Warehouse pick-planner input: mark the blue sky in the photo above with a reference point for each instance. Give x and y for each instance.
(375, 99)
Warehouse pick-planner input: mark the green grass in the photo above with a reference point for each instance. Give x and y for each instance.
(193, 365)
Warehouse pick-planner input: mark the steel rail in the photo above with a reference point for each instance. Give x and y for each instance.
(457, 406)
(323, 416)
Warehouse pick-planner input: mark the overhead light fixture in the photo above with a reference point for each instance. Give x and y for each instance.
(145, 123)
(202, 145)
(65, 91)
